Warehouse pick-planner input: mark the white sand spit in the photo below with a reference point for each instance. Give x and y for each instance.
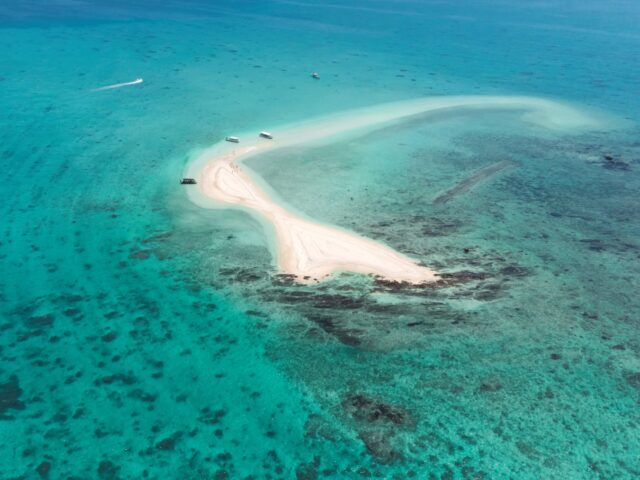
(310, 250)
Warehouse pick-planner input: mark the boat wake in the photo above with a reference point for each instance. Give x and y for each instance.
(118, 85)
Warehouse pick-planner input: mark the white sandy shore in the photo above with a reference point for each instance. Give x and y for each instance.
(310, 250)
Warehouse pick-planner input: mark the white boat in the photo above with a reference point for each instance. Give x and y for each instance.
(266, 135)
(232, 139)
(316, 75)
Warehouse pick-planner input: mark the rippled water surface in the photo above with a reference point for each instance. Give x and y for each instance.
(142, 336)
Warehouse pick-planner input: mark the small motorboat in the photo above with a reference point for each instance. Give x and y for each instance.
(266, 135)
(188, 181)
(232, 139)
(316, 75)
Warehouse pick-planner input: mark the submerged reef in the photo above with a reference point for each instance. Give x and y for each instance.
(10, 393)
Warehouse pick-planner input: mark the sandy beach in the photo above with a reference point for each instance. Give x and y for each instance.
(308, 250)
(312, 251)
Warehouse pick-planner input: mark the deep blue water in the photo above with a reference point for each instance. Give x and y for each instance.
(144, 337)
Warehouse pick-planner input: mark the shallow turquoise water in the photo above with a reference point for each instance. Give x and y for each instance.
(143, 336)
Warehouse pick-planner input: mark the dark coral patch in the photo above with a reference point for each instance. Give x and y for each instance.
(166, 444)
(514, 271)
(39, 322)
(125, 379)
(108, 470)
(336, 327)
(613, 163)
(372, 411)
(633, 379)
(308, 471)
(490, 385)
(140, 254)
(109, 337)
(211, 418)
(10, 393)
(43, 469)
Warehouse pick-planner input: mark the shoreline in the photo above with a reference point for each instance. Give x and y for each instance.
(309, 250)
(312, 251)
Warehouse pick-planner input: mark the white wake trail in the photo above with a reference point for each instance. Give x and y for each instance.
(119, 85)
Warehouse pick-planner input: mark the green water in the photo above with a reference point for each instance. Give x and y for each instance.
(145, 337)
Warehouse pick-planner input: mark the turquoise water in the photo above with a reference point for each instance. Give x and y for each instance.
(145, 337)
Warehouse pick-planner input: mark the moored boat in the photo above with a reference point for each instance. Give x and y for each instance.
(266, 135)
(232, 139)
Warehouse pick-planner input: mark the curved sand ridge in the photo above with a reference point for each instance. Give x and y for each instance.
(310, 250)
